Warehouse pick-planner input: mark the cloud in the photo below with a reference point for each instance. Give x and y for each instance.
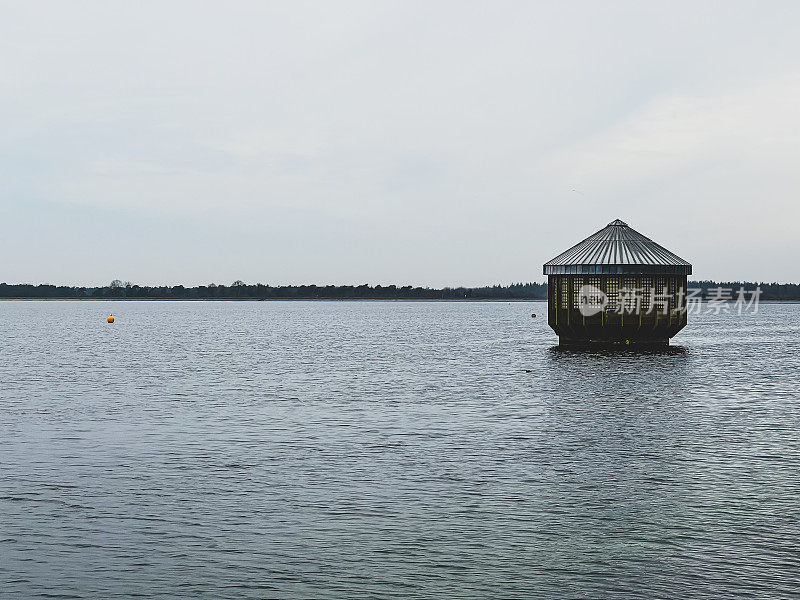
(672, 135)
(433, 143)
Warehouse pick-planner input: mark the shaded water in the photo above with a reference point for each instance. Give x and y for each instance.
(392, 450)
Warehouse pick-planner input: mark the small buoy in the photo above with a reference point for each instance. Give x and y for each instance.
(110, 318)
(533, 316)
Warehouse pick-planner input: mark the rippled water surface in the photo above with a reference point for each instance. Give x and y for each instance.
(392, 450)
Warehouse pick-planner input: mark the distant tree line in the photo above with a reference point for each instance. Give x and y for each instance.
(769, 291)
(238, 290)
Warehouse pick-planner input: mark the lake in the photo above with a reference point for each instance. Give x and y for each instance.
(392, 450)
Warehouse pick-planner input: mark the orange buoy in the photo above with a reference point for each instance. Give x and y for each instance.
(533, 316)
(110, 318)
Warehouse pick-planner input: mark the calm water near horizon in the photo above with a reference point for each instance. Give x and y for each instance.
(392, 450)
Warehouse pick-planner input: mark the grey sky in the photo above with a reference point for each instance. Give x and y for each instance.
(428, 143)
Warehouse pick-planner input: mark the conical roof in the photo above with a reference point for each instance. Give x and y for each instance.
(617, 249)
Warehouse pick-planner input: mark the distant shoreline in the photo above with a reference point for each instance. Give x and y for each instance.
(238, 290)
(274, 299)
(768, 301)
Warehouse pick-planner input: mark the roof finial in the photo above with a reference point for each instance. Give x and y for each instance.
(617, 223)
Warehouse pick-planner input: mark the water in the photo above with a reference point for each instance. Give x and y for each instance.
(391, 450)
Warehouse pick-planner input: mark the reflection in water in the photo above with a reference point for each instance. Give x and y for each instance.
(612, 351)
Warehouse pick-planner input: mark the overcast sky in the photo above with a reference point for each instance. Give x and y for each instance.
(426, 143)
